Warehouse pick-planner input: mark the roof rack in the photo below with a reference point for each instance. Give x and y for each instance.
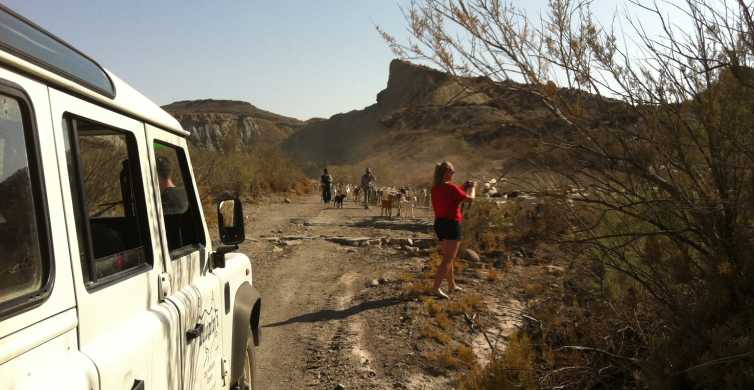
(21, 37)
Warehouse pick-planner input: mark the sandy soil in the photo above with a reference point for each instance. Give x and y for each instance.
(339, 315)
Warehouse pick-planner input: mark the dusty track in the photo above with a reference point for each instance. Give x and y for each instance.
(315, 334)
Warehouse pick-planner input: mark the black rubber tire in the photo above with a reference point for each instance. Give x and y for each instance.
(250, 368)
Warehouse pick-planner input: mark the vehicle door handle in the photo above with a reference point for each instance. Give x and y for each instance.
(196, 332)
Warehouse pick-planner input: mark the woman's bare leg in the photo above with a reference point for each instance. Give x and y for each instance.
(453, 249)
(448, 250)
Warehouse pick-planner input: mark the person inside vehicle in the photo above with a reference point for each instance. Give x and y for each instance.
(446, 203)
(174, 200)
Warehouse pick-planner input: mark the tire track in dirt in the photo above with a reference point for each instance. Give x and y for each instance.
(307, 292)
(314, 332)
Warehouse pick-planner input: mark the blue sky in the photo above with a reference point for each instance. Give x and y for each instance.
(299, 58)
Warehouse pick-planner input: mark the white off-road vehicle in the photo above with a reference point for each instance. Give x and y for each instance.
(108, 276)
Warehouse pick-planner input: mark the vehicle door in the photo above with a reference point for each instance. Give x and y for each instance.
(196, 292)
(38, 345)
(125, 327)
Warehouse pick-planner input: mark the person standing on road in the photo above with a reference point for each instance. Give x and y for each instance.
(325, 183)
(368, 183)
(446, 203)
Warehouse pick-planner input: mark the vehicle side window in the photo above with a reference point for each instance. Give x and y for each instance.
(180, 210)
(108, 195)
(24, 260)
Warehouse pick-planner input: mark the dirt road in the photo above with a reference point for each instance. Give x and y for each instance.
(317, 331)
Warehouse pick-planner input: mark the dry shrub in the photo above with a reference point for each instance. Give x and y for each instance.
(453, 358)
(417, 288)
(518, 223)
(657, 138)
(406, 277)
(249, 173)
(466, 355)
(427, 330)
(513, 369)
(534, 288)
(466, 304)
(433, 307)
(442, 320)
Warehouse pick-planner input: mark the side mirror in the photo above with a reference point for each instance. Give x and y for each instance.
(230, 221)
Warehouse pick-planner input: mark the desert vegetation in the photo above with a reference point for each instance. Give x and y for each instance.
(252, 172)
(648, 195)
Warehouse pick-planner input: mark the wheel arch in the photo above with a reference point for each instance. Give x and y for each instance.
(247, 307)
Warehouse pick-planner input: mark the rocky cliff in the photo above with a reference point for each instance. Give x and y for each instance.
(424, 116)
(347, 137)
(218, 124)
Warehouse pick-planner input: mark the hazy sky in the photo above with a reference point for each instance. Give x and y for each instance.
(301, 58)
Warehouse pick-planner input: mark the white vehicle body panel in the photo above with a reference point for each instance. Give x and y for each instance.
(121, 324)
(55, 364)
(196, 292)
(62, 293)
(132, 331)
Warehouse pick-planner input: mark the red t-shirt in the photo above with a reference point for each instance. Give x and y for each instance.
(446, 201)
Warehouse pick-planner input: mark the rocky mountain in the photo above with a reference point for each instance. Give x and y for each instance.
(215, 124)
(424, 116)
(346, 137)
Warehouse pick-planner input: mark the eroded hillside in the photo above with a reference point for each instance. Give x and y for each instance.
(214, 123)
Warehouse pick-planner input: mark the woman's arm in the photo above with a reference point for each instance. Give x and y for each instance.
(470, 192)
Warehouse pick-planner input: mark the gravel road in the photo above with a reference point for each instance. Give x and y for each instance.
(314, 334)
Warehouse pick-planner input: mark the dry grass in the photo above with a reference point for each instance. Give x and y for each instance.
(466, 304)
(534, 288)
(442, 320)
(512, 370)
(433, 307)
(417, 288)
(427, 330)
(460, 356)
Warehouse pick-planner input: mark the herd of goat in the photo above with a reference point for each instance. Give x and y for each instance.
(400, 201)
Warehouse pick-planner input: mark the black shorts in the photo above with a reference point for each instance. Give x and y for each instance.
(447, 229)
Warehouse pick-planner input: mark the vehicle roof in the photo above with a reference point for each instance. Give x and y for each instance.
(19, 50)
(127, 99)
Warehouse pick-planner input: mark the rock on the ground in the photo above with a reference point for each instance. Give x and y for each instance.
(277, 249)
(351, 241)
(375, 283)
(286, 200)
(340, 386)
(468, 254)
(423, 243)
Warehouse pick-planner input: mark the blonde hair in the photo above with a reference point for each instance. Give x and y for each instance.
(440, 170)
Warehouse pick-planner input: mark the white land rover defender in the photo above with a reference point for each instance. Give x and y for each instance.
(108, 277)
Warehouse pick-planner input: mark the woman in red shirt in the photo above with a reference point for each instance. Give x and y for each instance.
(446, 202)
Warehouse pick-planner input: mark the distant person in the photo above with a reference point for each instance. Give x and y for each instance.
(326, 183)
(368, 183)
(174, 200)
(446, 203)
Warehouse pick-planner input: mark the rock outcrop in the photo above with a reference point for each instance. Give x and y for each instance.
(222, 124)
(346, 137)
